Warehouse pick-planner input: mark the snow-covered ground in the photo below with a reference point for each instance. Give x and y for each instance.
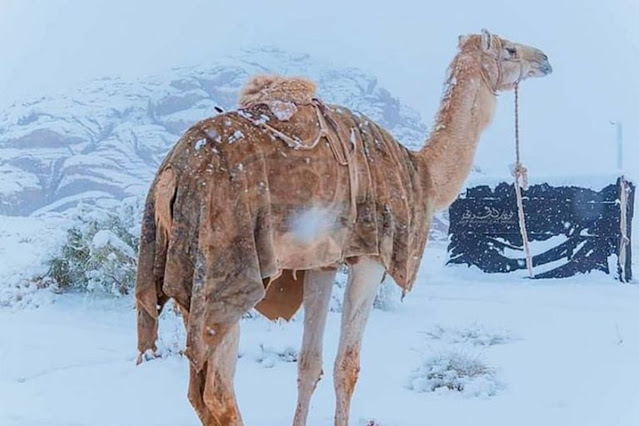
(25, 242)
(557, 352)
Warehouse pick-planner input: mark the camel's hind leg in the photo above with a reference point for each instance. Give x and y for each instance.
(364, 279)
(211, 390)
(197, 380)
(318, 285)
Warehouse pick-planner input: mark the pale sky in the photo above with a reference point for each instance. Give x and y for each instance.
(49, 46)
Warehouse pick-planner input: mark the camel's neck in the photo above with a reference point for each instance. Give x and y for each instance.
(466, 109)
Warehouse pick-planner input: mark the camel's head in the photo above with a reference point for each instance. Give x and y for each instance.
(503, 62)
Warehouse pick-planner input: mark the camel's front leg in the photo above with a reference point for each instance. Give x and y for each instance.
(317, 294)
(364, 279)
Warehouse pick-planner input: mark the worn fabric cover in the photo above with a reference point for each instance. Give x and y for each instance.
(236, 205)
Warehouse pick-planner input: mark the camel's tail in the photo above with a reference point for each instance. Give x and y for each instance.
(156, 223)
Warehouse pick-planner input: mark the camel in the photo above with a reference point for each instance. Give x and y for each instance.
(258, 207)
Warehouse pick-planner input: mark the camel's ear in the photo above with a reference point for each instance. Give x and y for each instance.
(485, 39)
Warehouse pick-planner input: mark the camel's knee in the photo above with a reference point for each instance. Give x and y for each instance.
(309, 368)
(197, 381)
(220, 402)
(347, 370)
(219, 395)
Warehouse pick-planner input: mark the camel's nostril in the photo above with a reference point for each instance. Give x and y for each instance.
(546, 68)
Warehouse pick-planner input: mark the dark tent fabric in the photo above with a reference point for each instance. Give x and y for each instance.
(580, 229)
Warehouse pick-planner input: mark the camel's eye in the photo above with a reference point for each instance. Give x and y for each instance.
(512, 51)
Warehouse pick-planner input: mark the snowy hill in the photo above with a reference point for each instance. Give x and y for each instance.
(105, 140)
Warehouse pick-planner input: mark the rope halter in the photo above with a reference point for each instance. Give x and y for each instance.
(499, 60)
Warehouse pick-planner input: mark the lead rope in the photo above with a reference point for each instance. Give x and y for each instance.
(520, 174)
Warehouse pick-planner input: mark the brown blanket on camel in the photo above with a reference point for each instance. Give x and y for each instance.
(248, 198)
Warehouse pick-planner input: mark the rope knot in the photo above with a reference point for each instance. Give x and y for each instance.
(520, 173)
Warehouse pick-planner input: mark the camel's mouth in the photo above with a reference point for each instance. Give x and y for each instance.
(541, 68)
(545, 68)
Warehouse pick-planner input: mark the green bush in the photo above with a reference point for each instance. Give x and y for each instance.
(100, 251)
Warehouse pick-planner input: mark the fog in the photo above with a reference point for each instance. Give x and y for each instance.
(50, 46)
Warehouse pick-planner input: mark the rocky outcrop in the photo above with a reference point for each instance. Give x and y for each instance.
(105, 140)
